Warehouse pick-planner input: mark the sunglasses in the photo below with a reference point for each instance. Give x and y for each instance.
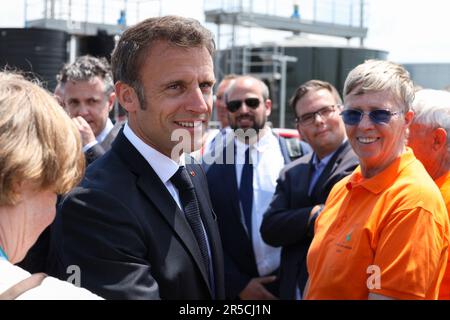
(234, 105)
(352, 117)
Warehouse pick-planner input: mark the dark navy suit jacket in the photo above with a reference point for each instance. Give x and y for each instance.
(129, 238)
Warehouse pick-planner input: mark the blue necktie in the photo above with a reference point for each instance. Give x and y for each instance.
(246, 191)
(186, 191)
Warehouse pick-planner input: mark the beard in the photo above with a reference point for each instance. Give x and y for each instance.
(256, 126)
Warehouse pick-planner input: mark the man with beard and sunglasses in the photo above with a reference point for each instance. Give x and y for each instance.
(383, 233)
(242, 179)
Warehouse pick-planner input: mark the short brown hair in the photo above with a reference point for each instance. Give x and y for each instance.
(313, 85)
(39, 143)
(128, 56)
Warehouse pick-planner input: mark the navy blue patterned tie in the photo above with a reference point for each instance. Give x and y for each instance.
(246, 191)
(188, 197)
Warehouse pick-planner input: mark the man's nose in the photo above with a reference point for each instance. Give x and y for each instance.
(198, 101)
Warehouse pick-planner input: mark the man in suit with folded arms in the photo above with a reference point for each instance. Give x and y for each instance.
(141, 226)
(304, 184)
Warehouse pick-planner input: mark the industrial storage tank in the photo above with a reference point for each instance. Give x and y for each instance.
(40, 51)
(324, 62)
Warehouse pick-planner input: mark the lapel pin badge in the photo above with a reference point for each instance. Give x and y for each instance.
(192, 173)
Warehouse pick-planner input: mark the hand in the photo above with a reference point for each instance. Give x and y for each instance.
(313, 212)
(87, 135)
(256, 291)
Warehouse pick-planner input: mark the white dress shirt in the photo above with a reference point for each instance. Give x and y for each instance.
(164, 166)
(267, 161)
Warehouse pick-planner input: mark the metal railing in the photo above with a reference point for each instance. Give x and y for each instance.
(110, 12)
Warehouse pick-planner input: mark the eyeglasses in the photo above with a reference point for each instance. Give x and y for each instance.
(352, 117)
(309, 118)
(234, 105)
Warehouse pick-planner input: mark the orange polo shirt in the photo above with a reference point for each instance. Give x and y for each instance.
(386, 235)
(443, 183)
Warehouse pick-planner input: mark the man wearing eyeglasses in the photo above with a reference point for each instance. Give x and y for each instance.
(304, 184)
(383, 233)
(241, 181)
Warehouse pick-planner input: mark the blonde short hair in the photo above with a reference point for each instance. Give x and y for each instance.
(39, 144)
(380, 75)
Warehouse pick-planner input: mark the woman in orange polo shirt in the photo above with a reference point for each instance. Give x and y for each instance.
(383, 233)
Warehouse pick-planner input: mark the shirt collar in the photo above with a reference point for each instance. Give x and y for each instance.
(108, 127)
(323, 162)
(164, 166)
(385, 178)
(264, 143)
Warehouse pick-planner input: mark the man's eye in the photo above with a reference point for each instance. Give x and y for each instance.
(205, 85)
(174, 86)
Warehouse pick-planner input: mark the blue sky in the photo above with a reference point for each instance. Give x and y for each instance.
(410, 30)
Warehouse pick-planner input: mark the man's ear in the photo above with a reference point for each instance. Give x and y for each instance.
(111, 99)
(268, 104)
(127, 96)
(409, 116)
(439, 138)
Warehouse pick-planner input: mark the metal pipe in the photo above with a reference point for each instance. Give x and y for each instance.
(361, 23)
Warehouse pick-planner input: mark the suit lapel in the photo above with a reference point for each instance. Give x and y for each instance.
(331, 167)
(106, 143)
(228, 174)
(156, 192)
(309, 172)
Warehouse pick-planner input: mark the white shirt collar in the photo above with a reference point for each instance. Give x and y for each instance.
(108, 127)
(164, 166)
(267, 141)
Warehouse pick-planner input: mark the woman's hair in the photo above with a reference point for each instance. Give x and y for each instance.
(39, 144)
(380, 75)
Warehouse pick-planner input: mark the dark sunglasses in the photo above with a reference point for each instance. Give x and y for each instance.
(234, 105)
(352, 117)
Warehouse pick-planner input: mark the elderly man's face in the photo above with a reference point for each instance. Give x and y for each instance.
(377, 144)
(429, 146)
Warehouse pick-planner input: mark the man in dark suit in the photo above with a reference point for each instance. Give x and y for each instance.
(241, 190)
(304, 184)
(141, 225)
(88, 95)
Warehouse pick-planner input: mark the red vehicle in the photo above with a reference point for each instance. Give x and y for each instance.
(287, 133)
